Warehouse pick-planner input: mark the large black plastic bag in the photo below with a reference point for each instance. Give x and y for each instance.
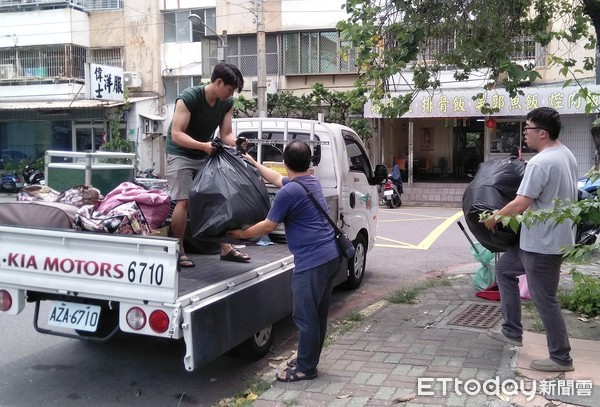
(227, 193)
(495, 184)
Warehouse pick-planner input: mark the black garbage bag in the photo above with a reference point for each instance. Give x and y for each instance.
(227, 193)
(495, 184)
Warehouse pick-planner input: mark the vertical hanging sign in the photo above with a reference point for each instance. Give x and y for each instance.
(104, 82)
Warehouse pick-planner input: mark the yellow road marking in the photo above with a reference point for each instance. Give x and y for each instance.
(429, 239)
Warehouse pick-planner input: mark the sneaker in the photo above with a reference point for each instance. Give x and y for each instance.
(548, 365)
(499, 336)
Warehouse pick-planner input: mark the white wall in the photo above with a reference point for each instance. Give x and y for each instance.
(44, 27)
(181, 58)
(59, 91)
(311, 14)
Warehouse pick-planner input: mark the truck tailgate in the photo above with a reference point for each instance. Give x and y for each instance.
(89, 264)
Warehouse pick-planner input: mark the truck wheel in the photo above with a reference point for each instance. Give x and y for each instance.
(356, 265)
(258, 345)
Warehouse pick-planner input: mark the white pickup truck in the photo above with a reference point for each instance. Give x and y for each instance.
(92, 285)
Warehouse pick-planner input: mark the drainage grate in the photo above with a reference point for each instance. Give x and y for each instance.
(478, 316)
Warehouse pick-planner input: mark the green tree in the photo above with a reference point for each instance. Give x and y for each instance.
(470, 36)
(338, 107)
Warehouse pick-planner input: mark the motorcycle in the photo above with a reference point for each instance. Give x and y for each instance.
(33, 176)
(391, 194)
(393, 188)
(10, 182)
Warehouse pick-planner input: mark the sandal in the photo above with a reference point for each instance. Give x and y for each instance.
(185, 261)
(292, 363)
(236, 256)
(292, 375)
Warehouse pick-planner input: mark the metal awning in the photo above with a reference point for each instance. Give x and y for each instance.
(67, 104)
(151, 116)
(59, 105)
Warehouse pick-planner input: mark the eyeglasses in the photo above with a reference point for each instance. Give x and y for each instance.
(533, 128)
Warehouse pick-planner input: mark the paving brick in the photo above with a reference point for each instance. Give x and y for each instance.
(384, 356)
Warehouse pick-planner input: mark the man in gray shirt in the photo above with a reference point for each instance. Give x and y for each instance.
(551, 174)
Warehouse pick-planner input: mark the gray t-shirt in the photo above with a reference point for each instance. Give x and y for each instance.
(550, 174)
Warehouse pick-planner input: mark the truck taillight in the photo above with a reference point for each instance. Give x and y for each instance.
(159, 321)
(5, 300)
(136, 318)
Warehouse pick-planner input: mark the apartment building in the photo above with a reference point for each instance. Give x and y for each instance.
(301, 44)
(45, 96)
(159, 50)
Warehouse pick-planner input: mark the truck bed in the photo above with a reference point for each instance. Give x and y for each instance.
(210, 269)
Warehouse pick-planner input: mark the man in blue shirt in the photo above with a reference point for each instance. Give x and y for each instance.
(317, 259)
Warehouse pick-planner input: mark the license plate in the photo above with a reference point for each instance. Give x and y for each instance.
(388, 192)
(83, 317)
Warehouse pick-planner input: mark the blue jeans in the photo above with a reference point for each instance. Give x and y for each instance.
(311, 291)
(543, 273)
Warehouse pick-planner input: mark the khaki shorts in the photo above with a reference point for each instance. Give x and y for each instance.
(180, 174)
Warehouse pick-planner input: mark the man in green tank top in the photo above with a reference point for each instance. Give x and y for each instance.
(199, 110)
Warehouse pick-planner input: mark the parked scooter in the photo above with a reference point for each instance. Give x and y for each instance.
(33, 176)
(10, 182)
(391, 195)
(393, 188)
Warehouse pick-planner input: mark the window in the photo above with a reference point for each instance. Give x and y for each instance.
(274, 152)
(174, 85)
(53, 61)
(359, 162)
(177, 27)
(89, 136)
(508, 138)
(106, 56)
(317, 52)
(242, 52)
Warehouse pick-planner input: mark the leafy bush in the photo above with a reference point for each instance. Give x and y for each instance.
(585, 296)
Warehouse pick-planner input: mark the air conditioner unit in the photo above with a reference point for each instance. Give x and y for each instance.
(7, 71)
(152, 126)
(132, 79)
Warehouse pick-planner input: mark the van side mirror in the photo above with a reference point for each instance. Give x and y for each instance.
(381, 174)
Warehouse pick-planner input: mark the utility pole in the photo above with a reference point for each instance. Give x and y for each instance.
(261, 85)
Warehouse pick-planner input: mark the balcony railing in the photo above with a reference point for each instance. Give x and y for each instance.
(83, 5)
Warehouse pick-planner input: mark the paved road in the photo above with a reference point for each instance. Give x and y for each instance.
(38, 369)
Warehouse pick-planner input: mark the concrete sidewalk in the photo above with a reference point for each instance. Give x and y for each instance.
(396, 347)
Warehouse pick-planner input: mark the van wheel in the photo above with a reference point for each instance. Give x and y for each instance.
(258, 345)
(356, 265)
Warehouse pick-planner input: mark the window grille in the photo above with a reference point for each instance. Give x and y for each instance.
(317, 52)
(434, 47)
(56, 61)
(242, 52)
(20, 5)
(106, 56)
(98, 5)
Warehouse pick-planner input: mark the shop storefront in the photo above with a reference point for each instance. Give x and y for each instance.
(444, 135)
